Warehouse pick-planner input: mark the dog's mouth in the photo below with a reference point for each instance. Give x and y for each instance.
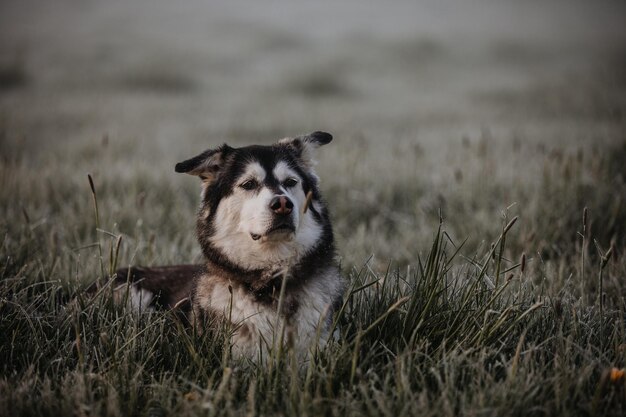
(283, 228)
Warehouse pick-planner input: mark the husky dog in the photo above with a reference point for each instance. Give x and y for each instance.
(268, 244)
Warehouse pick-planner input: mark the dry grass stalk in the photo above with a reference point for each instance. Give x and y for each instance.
(509, 225)
(97, 214)
(307, 202)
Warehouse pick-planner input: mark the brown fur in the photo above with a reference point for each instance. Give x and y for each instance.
(172, 286)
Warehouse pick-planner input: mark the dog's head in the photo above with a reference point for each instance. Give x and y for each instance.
(254, 212)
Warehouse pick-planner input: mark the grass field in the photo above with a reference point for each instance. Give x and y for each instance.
(451, 122)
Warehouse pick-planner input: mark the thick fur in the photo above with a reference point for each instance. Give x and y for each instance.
(259, 241)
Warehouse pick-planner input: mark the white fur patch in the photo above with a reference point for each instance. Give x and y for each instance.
(282, 172)
(137, 299)
(314, 312)
(254, 170)
(140, 299)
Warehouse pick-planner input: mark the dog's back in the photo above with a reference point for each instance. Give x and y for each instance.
(159, 287)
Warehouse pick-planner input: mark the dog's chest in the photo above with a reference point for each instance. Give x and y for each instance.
(303, 319)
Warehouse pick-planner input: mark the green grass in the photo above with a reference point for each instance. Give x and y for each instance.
(444, 323)
(460, 332)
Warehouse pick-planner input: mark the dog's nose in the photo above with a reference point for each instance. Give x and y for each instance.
(281, 205)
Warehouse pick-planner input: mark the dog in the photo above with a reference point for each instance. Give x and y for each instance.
(269, 265)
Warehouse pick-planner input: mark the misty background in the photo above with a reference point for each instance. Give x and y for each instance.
(430, 103)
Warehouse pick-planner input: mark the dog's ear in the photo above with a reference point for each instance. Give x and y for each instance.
(305, 145)
(206, 165)
(317, 139)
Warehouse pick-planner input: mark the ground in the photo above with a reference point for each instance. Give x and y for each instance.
(450, 119)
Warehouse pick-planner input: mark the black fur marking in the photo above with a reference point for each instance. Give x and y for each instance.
(209, 161)
(193, 163)
(217, 259)
(321, 138)
(270, 294)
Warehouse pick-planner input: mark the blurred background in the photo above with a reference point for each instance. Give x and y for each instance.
(480, 109)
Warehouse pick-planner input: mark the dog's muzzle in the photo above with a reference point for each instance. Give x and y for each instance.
(282, 207)
(283, 226)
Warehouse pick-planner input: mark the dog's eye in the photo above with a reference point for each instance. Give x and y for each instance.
(290, 182)
(249, 185)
